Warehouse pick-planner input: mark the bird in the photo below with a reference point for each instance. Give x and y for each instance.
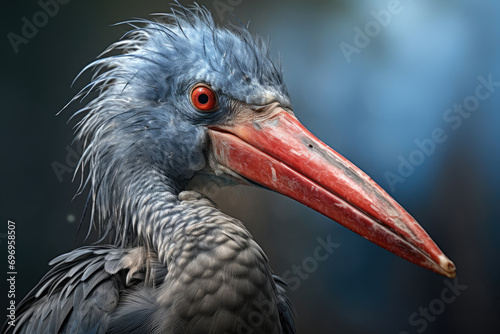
(177, 102)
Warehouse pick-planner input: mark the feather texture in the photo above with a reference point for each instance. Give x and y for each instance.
(175, 263)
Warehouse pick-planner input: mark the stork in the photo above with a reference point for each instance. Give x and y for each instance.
(187, 99)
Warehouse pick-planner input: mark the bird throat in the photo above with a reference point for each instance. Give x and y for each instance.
(216, 272)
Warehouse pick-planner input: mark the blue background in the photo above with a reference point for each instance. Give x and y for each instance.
(372, 109)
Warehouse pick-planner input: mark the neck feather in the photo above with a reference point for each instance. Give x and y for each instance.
(129, 204)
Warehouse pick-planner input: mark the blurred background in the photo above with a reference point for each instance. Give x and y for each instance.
(375, 80)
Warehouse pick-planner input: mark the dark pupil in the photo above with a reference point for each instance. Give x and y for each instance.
(203, 98)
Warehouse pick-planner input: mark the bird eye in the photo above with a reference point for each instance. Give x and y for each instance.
(203, 98)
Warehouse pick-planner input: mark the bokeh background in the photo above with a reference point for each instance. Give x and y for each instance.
(371, 107)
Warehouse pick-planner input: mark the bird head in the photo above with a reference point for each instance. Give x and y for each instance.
(187, 97)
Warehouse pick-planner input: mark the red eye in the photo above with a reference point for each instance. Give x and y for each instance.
(203, 98)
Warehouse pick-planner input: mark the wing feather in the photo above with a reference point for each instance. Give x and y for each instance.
(76, 296)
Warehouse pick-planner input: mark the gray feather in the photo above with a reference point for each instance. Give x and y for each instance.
(176, 263)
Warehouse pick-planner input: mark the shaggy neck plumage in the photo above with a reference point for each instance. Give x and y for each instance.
(134, 205)
(135, 180)
(143, 139)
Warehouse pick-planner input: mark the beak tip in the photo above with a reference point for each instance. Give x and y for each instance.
(447, 266)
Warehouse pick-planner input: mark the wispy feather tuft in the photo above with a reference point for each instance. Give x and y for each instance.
(135, 86)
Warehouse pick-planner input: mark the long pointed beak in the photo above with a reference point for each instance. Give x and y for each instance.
(276, 151)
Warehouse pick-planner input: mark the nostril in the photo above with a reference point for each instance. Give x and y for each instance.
(310, 146)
